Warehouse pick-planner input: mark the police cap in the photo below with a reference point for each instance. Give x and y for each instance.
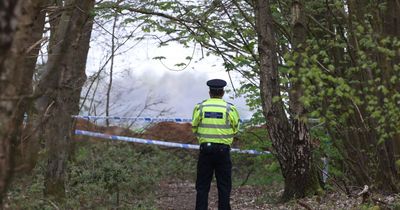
(216, 83)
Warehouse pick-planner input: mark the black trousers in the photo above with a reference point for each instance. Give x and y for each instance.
(214, 158)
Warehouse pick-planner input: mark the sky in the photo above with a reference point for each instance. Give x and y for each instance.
(138, 77)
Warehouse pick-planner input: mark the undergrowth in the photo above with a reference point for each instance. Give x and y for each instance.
(111, 175)
(105, 175)
(120, 175)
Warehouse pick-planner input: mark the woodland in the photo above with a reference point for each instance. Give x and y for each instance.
(322, 78)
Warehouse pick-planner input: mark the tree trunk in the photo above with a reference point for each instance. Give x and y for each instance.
(60, 88)
(25, 52)
(9, 94)
(8, 24)
(291, 141)
(33, 133)
(396, 147)
(111, 68)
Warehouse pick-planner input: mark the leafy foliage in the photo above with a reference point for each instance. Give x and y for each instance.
(349, 72)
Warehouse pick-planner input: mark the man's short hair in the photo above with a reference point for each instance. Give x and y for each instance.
(216, 92)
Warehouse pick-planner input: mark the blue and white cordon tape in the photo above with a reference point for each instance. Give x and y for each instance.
(140, 119)
(143, 119)
(156, 142)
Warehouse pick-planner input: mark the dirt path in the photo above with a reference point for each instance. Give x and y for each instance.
(181, 195)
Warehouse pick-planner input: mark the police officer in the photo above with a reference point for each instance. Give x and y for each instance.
(214, 122)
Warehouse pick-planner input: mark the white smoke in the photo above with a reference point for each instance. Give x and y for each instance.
(139, 79)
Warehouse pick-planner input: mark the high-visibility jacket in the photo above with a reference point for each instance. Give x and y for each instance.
(214, 120)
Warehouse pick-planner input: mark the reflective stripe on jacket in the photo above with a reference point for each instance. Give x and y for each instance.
(215, 120)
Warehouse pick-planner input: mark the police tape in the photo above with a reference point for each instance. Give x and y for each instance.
(156, 142)
(140, 119)
(144, 119)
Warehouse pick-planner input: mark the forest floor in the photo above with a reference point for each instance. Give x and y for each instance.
(120, 175)
(181, 195)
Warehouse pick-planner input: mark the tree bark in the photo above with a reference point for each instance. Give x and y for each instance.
(27, 43)
(60, 88)
(8, 25)
(9, 94)
(291, 141)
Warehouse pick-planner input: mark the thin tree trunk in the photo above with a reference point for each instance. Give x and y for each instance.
(9, 94)
(60, 88)
(396, 146)
(290, 141)
(111, 68)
